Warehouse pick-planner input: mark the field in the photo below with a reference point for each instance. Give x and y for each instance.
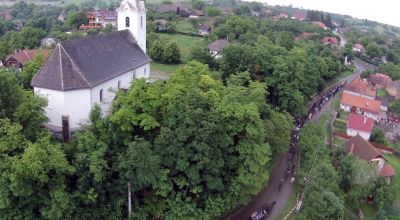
(185, 43)
(165, 68)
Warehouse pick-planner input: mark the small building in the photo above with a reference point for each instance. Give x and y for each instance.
(330, 40)
(204, 29)
(196, 14)
(217, 46)
(300, 16)
(62, 16)
(100, 19)
(393, 89)
(363, 150)
(379, 80)
(18, 60)
(48, 42)
(360, 87)
(360, 105)
(358, 48)
(320, 25)
(161, 25)
(359, 125)
(168, 8)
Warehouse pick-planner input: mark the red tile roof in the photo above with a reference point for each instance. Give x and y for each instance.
(387, 171)
(361, 86)
(299, 16)
(28, 55)
(380, 79)
(330, 40)
(360, 123)
(365, 104)
(358, 46)
(320, 24)
(361, 148)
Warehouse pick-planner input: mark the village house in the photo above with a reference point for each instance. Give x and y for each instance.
(300, 16)
(62, 16)
(359, 125)
(84, 72)
(360, 87)
(48, 42)
(360, 105)
(363, 150)
(358, 48)
(393, 89)
(196, 14)
(204, 29)
(18, 60)
(178, 9)
(330, 40)
(6, 14)
(379, 80)
(100, 19)
(216, 47)
(320, 25)
(280, 16)
(161, 25)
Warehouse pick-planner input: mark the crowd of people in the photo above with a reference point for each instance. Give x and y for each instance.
(264, 211)
(290, 171)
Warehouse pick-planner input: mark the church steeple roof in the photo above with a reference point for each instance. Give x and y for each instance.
(134, 5)
(85, 63)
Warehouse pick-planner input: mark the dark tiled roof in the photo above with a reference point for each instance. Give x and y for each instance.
(85, 63)
(204, 27)
(361, 148)
(162, 8)
(218, 45)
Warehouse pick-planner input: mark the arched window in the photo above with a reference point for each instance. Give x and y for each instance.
(141, 21)
(101, 95)
(127, 22)
(119, 84)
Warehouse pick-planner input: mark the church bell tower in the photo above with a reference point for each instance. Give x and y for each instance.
(132, 17)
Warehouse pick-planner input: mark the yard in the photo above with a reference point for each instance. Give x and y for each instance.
(381, 93)
(185, 27)
(165, 68)
(339, 126)
(395, 163)
(185, 43)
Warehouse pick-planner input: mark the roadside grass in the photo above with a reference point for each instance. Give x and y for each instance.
(165, 68)
(336, 102)
(341, 76)
(381, 93)
(184, 42)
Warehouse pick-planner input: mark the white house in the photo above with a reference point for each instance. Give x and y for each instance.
(216, 47)
(360, 105)
(83, 72)
(359, 125)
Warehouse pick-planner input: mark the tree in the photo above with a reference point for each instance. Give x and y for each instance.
(373, 50)
(395, 106)
(171, 53)
(27, 38)
(156, 50)
(201, 53)
(76, 19)
(378, 137)
(198, 4)
(109, 28)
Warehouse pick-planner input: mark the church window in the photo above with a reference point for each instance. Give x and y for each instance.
(101, 95)
(141, 21)
(119, 84)
(127, 22)
(145, 71)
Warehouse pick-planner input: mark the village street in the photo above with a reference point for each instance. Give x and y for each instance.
(271, 192)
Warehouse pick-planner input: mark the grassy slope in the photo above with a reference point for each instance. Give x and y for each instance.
(184, 42)
(166, 68)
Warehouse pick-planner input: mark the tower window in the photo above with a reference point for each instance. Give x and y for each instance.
(119, 84)
(145, 71)
(101, 95)
(127, 22)
(141, 21)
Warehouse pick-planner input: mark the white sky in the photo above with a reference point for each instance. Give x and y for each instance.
(384, 11)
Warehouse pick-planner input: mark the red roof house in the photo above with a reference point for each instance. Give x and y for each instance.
(19, 59)
(360, 87)
(300, 16)
(330, 40)
(360, 105)
(359, 125)
(320, 25)
(379, 80)
(387, 171)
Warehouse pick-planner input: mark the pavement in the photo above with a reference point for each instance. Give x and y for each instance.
(271, 192)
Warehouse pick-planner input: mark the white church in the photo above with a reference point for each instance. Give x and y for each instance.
(83, 72)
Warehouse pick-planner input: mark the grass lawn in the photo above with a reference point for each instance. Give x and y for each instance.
(338, 142)
(369, 211)
(185, 27)
(166, 68)
(185, 43)
(339, 126)
(381, 93)
(395, 163)
(342, 115)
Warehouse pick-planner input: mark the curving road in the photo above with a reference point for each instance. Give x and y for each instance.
(271, 192)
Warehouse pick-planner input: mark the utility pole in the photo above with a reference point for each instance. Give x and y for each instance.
(129, 200)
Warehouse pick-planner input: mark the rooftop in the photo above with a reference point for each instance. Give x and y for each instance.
(365, 104)
(361, 86)
(360, 123)
(332, 40)
(361, 148)
(387, 171)
(379, 79)
(24, 56)
(218, 45)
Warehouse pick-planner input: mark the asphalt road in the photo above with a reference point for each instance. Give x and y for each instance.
(271, 192)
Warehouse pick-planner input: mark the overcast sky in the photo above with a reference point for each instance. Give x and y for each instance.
(384, 11)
